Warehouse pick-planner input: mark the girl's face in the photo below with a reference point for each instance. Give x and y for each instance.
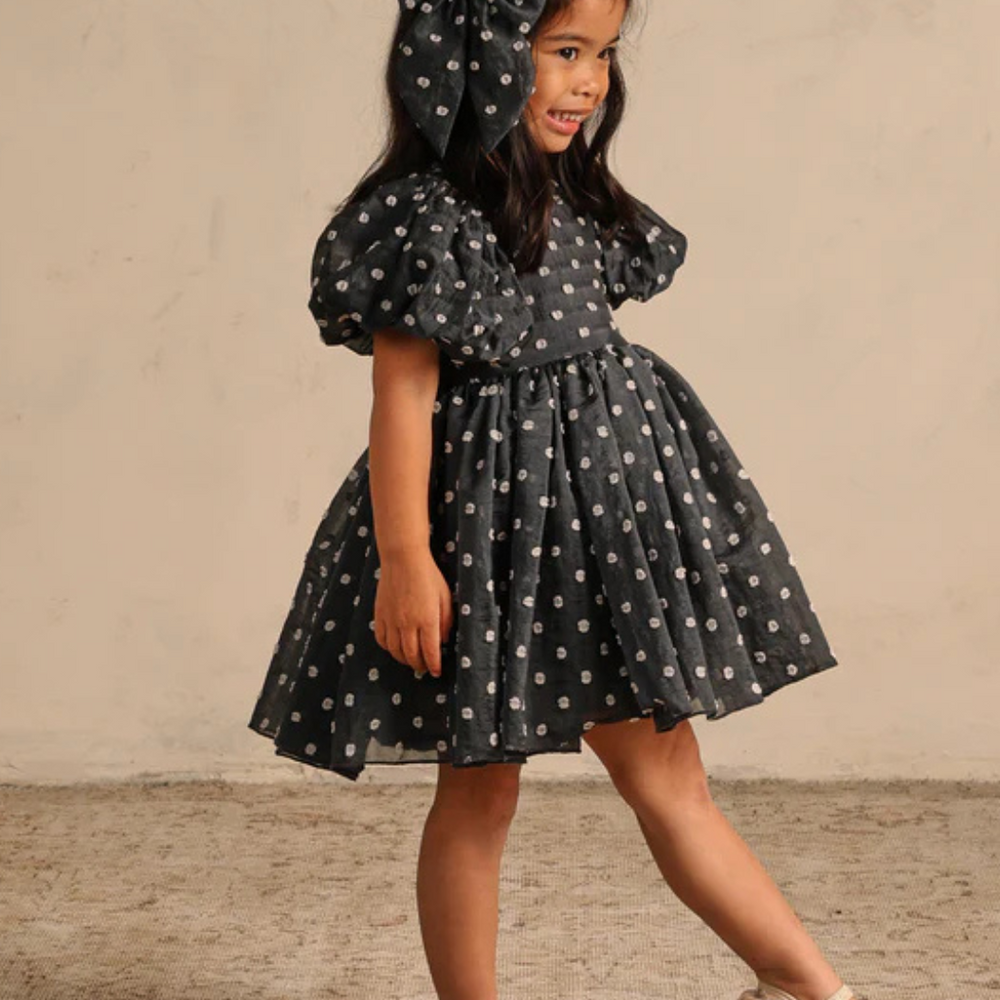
(572, 58)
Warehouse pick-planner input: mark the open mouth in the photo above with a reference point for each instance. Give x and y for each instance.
(564, 122)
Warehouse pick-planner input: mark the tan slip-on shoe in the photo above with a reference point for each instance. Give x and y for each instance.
(765, 991)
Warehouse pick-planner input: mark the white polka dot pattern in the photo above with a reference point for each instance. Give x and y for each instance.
(415, 256)
(475, 46)
(641, 271)
(608, 554)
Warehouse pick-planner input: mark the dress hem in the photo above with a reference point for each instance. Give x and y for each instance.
(520, 756)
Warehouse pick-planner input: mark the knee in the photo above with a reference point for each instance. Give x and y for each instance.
(645, 786)
(488, 794)
(667, 770)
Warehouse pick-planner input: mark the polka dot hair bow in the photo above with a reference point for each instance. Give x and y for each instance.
(479, 44)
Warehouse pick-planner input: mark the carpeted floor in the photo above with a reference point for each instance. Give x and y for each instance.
(219, 891)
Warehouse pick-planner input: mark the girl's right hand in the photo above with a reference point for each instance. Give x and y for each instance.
(413, 610)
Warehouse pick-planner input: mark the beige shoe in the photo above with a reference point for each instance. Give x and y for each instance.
(765, 991)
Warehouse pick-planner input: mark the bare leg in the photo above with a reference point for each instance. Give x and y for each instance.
(458, 876)
(702, 858)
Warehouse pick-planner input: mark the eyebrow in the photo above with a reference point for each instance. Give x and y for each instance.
(570, 37)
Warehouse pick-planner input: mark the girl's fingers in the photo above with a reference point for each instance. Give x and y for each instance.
(446, 615)
(430, 645)
(410, 641)
(382, 634)
(395, 648)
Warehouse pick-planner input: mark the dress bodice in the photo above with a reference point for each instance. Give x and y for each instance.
(567, 295)
(417, 255)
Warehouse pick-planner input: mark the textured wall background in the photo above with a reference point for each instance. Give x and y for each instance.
(171, 427)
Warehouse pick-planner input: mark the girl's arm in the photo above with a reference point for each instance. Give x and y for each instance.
(404, 383)
(413, 600)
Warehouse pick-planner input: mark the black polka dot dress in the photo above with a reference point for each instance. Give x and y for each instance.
(609, 556)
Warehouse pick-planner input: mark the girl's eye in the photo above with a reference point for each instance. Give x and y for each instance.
(573, 48)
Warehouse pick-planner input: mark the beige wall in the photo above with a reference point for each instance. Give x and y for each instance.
(171, 427)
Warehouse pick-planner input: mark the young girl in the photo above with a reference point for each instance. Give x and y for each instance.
(548, 538)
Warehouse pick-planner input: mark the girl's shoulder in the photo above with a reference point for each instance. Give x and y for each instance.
(640, 266)
(420, 191)
(414, 254)
(422, 199)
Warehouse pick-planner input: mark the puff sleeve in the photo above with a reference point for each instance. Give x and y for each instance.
(416, 256)
(640, 269)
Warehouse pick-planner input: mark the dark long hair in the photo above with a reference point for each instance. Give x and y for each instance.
(513, 184)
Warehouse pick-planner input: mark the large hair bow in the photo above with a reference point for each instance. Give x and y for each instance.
(481, 45)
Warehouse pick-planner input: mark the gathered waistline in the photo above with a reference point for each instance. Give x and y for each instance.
(455, 372)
